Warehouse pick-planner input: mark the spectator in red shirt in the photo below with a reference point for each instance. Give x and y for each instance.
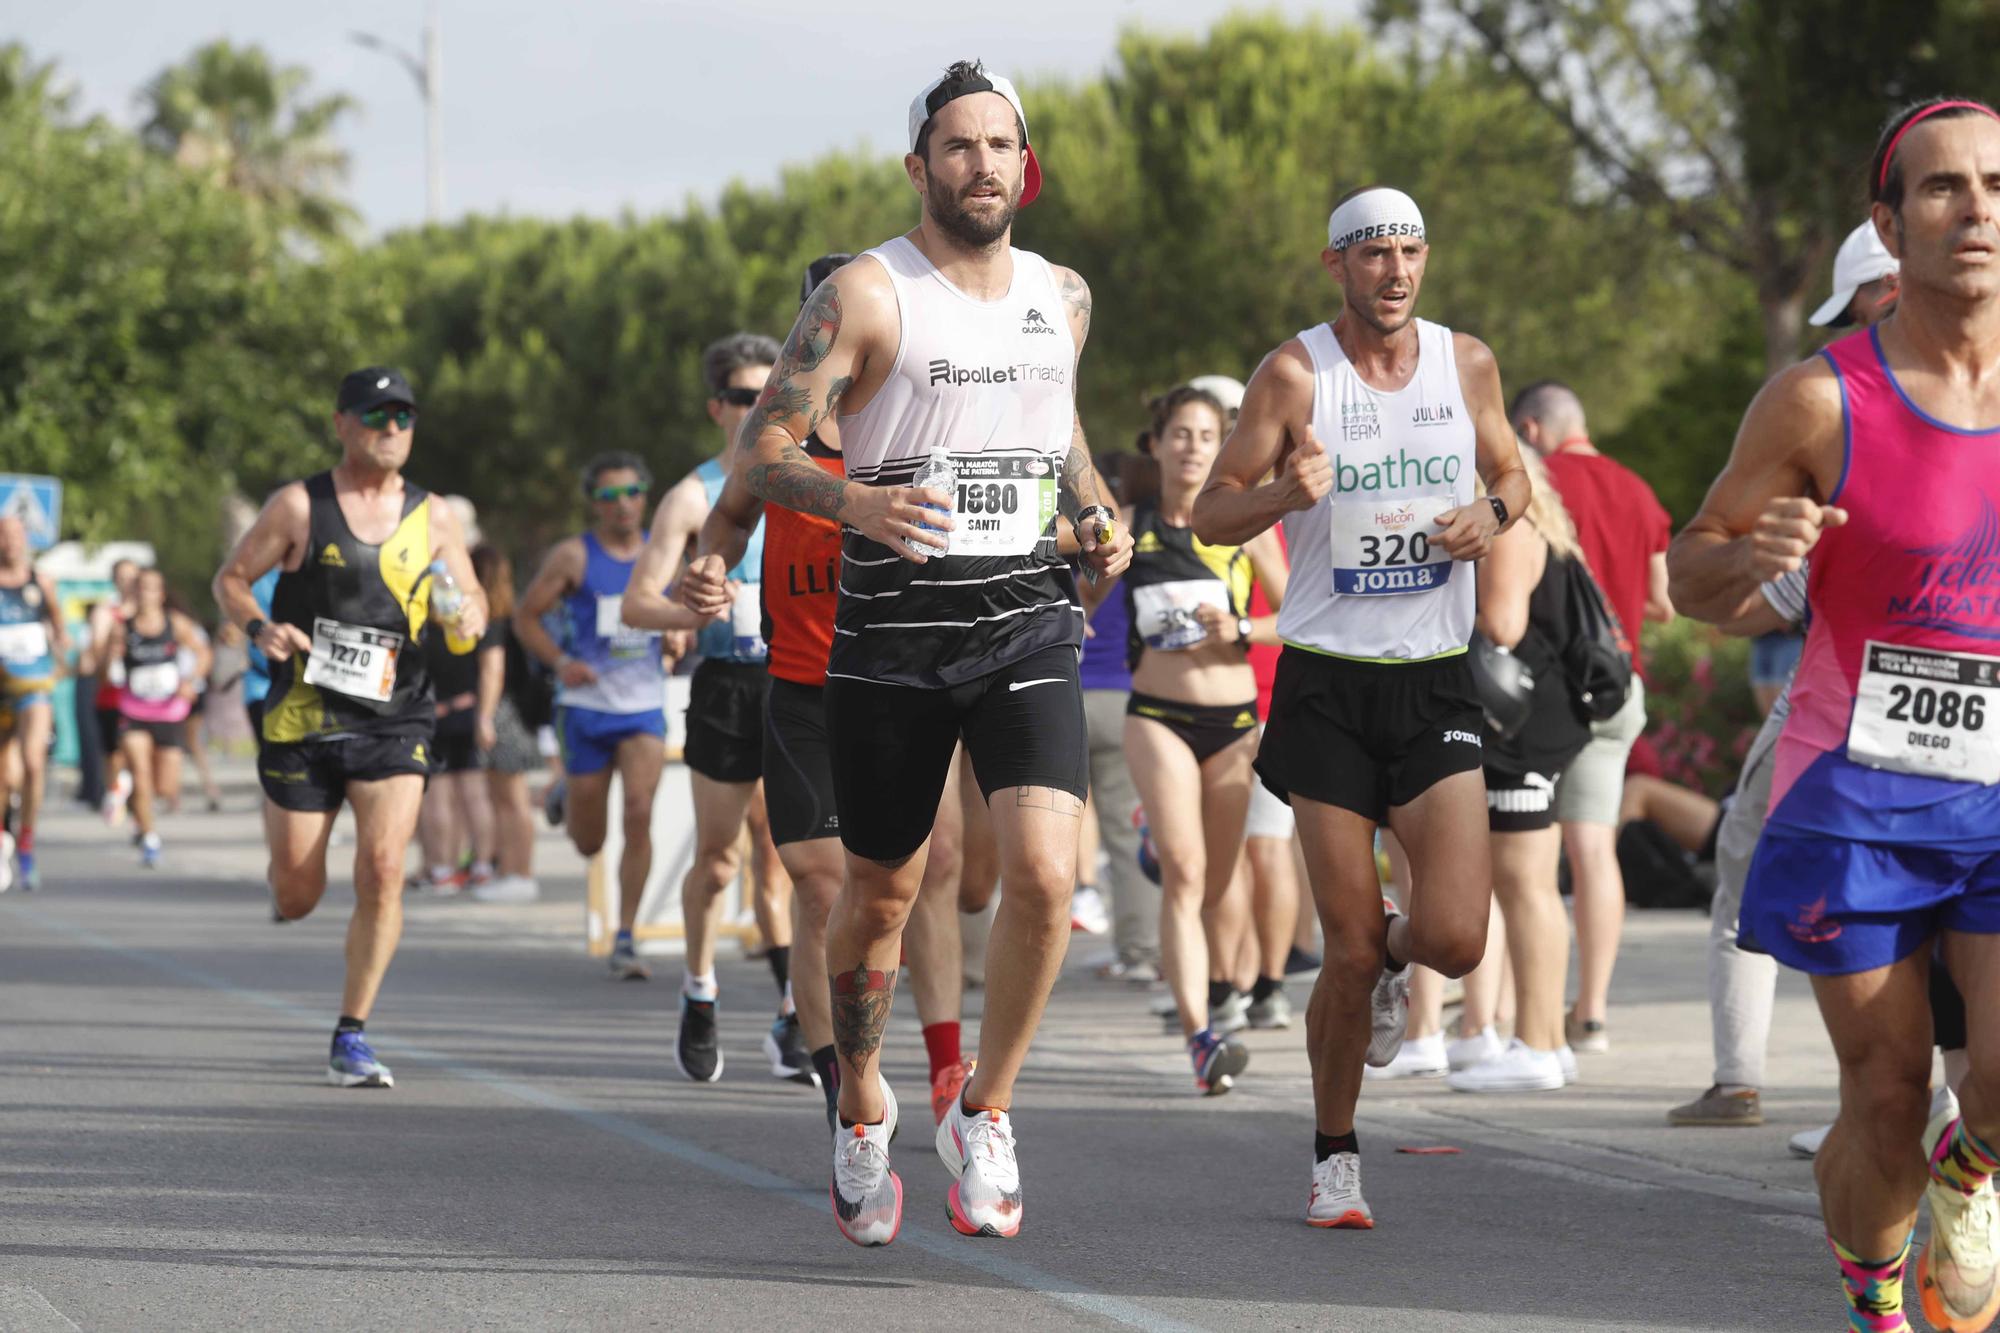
(1624, 531)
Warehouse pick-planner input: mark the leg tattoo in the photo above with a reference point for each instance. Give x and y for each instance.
(861, 1010)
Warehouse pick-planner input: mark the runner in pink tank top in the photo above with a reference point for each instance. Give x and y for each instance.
(1881, 457)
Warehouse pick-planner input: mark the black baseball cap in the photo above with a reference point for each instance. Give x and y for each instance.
(372, 386)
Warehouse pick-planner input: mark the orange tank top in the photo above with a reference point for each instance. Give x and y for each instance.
(801, 583)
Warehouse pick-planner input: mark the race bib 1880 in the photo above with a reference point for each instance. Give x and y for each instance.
(353, 660)
(1931, 713)
(1386, 546)
(1005, 502)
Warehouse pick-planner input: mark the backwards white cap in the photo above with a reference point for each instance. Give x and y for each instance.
(1372, 215)
(1862, 259)
(944, 89)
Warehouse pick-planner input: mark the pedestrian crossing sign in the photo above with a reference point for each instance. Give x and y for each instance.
(37, 502)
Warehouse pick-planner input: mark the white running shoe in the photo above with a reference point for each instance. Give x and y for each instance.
(1163, 1005)
(1232, 1015)
(978, 1149)
(1567, 1058)
(507, 889)
(1087, 912)
(1421, 1057)
(1389, 1013)
(6, 860)
(1519, 1068)
(1956, 1270)
(1336, 1195)
(867, 1196)
(1465, 1052)
(1806, 1143)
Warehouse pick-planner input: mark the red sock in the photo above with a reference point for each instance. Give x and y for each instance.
(26, 842)
(941, 1042)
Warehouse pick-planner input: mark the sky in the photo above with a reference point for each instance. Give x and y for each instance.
(598, 106)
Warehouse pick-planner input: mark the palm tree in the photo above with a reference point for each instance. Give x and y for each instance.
(232, 115)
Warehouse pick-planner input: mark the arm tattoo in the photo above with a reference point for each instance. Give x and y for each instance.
(795, 481)
(1076, 298)
(817, 330)
(861, 1010)
(1079, 489)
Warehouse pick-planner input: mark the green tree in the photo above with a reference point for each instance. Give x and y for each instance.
(1743, 126)
(231, 115)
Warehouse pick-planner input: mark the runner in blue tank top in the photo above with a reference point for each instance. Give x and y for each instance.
(725, 730)
(611, 692)
(33, 644)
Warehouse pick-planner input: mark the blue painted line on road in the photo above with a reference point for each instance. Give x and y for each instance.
(953, 1249)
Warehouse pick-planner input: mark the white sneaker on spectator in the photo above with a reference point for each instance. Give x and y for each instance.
(1519, 1068)
(507, 889)
(1421, 1057)
(1087, 912)
(1465, 1052)
(1806, 1142)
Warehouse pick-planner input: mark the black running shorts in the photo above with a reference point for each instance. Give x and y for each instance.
(1366, 736)
(166, 735)
(313, 775)
(892, 745)
(725, 720)
(1519, 802)
(798, 764)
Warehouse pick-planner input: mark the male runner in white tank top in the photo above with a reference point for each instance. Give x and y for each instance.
(947, 337)
(1373, 714)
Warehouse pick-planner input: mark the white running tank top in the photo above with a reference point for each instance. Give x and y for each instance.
(993, 382)
(1366, 581)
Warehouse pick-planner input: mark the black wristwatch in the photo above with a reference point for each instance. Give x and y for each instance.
(1243, 628)
(253, 629)
(1499, 508)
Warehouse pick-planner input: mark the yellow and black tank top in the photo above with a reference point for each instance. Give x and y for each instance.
(1173, 572)
(351, 583)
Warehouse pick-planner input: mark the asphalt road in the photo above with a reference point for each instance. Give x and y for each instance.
(170, 1156)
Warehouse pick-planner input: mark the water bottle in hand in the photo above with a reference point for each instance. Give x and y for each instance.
(447, 604)
(936, 474)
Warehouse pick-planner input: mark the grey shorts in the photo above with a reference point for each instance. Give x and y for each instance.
(1594, 783)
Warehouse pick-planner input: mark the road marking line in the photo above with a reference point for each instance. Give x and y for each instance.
(25, 1310)
(968, 1254)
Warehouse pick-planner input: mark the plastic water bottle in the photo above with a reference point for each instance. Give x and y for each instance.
(448, 604)
(746, 623)
(936, 474)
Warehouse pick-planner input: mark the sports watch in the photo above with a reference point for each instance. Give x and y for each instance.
(1499, 508)
(253, 629)
(1243, 630)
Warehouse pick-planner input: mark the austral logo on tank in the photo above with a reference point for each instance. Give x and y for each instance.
(1958, 583)
(1032, 322)
(1358, 421)
(944, 372)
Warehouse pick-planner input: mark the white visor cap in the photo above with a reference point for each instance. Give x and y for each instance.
(1373, 215)
(1862, 259)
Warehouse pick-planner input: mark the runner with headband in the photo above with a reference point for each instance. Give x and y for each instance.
(1376, 424)
(1875, 458)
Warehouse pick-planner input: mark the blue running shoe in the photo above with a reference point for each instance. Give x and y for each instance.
(1149, 859)
(31, 875)
(1217, 1062)
(353, 1064)
(149, 851)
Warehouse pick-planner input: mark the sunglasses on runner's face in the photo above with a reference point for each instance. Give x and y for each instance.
(738, 397)
(378, 418)
(607, 494)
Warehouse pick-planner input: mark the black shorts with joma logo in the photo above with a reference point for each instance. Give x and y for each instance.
(312, 776)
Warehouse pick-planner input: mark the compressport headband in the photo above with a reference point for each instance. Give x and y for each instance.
(1373, 215)
(1919, 119)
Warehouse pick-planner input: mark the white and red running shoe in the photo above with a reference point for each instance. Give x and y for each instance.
(867, 1195)
(978, 1149)
(1336, 1195)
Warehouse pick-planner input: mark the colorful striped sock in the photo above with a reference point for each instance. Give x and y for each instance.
(1961, 1160)
(1874, 1289)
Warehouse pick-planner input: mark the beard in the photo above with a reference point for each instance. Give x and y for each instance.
(974, 231)
(1364, 311)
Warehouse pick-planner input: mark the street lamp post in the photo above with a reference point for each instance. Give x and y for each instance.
(428, 71)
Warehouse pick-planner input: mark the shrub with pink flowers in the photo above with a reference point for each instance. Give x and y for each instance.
(1701, 713)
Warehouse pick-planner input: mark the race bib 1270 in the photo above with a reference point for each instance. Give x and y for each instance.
(353, 660)
(1931, 713)
(1005, 502)
(1383, 547)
